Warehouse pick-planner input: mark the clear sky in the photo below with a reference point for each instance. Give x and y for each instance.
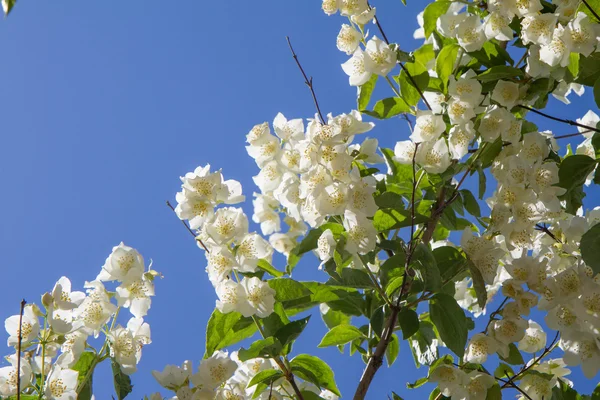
(104, 105)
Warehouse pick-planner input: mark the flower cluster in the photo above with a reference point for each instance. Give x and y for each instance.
(52, 348)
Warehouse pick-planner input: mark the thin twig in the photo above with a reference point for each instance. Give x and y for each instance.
(189, 229)
(412, 80)
(514, 385)
(565, 121)
(493, 314)
(591, 9)
(308, 81)
(535, 361)
(571, 135)
(19, 342)
(544, 228)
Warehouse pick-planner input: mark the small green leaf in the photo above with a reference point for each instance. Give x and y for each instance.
(589, 69)
(503, 370)
(122, 382)
(392, 351)
(341, 334)
(478, 285)
(365, 91)
(431, 14)
(589, 246)
(417, 384)
(426, 267)
(267, 267)
(514, 355)
(471, 204)
(482, 183)
(290, 332)
(596, 393)
(389, 218)
(500, 72)
(85, 366)
(572, 174)
(450, 261)
(423, 345)
(322, 375)
(409, 322)
(388, 108)
(494, 393)
(491, 54)
(409, 88)
(224, 330)
(267, 376)
(444, 63)
(396, 397)
(564, 392)
(7, 6)
(288, 289)
(264, 348)
(450, 321)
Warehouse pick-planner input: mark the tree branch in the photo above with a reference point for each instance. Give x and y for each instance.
(308, 81)
(565, 121)
(410, 77)
(189, 229)
(19, 342)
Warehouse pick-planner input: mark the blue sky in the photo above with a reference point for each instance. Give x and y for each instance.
(103, 107)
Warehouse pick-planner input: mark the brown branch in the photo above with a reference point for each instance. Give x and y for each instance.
(571, 135)
(591, 9)
(544, 228)
(308, 81)
(188, 228)
(410, 77)
(565, 121)
(19, 342)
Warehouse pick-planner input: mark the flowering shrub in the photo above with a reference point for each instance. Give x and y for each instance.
(379, 221)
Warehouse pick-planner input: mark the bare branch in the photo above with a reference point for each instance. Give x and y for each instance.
(189, 229)
(565, 121)
(19, 342)
(308, 81)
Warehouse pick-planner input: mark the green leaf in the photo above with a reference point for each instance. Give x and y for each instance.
(450, 321)
(267, 267)
(491, 54)
(341, 334)
(425, 265)
(288, 289)
(444, 63)
(393, 349)
(394, 284)
(596, 393)
(478, 285)
(494, 393)
(290, 332)
(500, 72)
(409, 322)
(589, 246)
(333, 318)
(572, 174)
(564, 392)
(388, 108)
(389, 200)
(321, 371)
(450, 261)
(389, 218)
(431, 14)
(573, 66)
(514, 355)
(85, 366)
(503, 370)
(122, 382)
(7, 6)
(589, 69)
(482, 183)
(420, 76)
(264, 348)
(417, 384)
(423, 344)
(489, 154)
(396, 397)
(224, 330)
(365, 91)
(267, 376)
(471, 204)
(308, 395)
(597, 92)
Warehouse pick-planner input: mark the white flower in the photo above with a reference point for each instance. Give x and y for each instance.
(64, 299)
(404, 152)
(61, 384)
(355, 69)
(364, 17)
(582, 348)
(8, 376)
(368, 151)
(527, 7)
(260, 296)
(228, 224)
(285, 129)
(232, 297)
(348, 39)
(136, 296)
(466, 88)
(589, 119)
(537, 387)
(362, 236)
(283, 243)
(534, 66)
(506, 93)
(434, 156)
(251, 249)
(126, 344)
(459, 138)
(460, 112)
(538, 28)
(266, 149)
(214, 371)
(266, 214)
(326, 246)
(508, 330)
(72, 348)
(496, 26)
(448, 23)
(449, 379)
(29, 328)
(173, 377)
(221, 263)
(379, 58)
(428, 127)
(557, 52)
(124, 264)
(534, 339)
(477, 385)
(193, 207)
(479, 347)
(435, 100)
(495, 121)
(583, 34)
(269, 177)
(352, 7)
(330, 7)
(96, 309)
(470, 34)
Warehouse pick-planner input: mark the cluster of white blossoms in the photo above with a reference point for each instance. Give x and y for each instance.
(313, 176)
(232, 251)
(224, 377)
(55, 336)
